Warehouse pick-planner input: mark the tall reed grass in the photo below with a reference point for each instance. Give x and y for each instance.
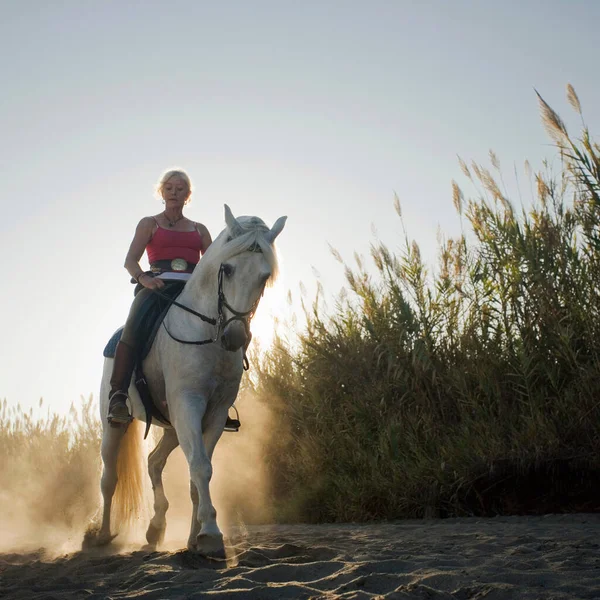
(469, 389)
(49, 472)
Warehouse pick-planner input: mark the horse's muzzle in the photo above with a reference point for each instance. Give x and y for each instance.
(234, 336)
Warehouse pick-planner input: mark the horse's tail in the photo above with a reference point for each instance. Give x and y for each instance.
(128, 499)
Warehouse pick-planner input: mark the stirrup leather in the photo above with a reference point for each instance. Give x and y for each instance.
(118, 413)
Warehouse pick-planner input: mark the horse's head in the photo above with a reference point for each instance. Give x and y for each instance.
(248, 263)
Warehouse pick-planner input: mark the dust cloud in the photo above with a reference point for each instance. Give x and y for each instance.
(50, 482)
(49, 478)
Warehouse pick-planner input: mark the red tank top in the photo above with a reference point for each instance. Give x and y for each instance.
(166, 245)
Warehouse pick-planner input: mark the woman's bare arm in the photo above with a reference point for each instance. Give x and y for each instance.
(205, 236)
(142, 237)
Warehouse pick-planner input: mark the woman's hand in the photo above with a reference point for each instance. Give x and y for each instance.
(152, 283)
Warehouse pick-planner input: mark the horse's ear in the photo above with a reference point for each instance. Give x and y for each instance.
(276, 229)
(234, 227)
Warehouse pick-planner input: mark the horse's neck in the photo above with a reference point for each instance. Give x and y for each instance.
(201, 292)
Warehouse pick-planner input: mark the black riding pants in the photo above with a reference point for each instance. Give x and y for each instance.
(144, 311)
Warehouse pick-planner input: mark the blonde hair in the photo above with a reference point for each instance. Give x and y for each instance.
(166, 176)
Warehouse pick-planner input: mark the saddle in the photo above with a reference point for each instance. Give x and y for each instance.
(150, 320)
(146, 334)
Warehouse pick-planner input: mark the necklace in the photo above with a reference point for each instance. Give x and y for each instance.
(172, 223)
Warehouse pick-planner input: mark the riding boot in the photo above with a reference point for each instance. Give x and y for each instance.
(118, 413)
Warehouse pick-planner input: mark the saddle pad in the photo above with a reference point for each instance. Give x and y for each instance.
(148, 318)
(111, 347)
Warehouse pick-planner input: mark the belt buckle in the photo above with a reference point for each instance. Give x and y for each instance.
(179, 264)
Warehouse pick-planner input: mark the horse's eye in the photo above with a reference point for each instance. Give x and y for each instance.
(227, 270)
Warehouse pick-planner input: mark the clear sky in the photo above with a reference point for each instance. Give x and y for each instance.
(316, 110)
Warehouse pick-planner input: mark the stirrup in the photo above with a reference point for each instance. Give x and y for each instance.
(233, 424)
(118, 413)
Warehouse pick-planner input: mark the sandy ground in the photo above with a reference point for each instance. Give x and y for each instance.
(551, 557)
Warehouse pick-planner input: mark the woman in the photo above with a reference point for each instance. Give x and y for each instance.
(174, 245)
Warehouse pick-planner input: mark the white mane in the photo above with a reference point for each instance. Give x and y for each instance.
(225, 246)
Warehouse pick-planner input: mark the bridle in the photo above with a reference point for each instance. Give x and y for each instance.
(245, 317)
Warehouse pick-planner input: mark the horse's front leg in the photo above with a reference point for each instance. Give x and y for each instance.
(213, 429)
(156, 464)
(188, 415)
(195, 525)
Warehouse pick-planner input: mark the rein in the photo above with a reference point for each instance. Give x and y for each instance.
(186, 308)
(220, 322)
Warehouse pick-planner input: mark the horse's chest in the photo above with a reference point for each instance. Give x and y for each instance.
(213, 374)
(228, 369)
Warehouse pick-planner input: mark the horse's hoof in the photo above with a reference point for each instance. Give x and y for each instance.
(94, 539)
(155, 535)
(210, 546)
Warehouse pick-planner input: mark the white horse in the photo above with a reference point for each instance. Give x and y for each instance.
(193, 385)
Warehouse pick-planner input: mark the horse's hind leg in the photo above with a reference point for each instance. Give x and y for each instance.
(156, 464)
(111, 442)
